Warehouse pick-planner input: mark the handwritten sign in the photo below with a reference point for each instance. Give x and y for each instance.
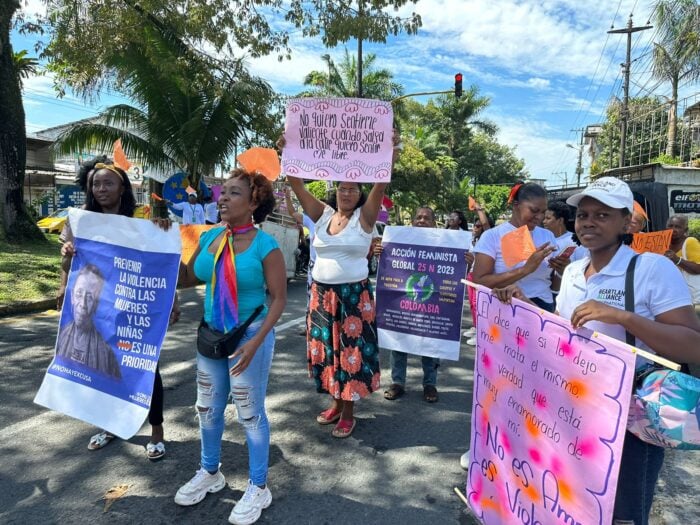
(344, 139)
(420, 295)
(654, 242)
(548, 418)
(118, 300)
(517, 246)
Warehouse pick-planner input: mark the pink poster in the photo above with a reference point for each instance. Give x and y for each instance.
(548, 418)
(343, 139)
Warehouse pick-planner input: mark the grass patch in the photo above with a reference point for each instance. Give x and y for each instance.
(29, 271)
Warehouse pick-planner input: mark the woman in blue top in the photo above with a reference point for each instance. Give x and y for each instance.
(258, 266)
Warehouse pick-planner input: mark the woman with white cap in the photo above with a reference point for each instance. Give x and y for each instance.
(592, 295)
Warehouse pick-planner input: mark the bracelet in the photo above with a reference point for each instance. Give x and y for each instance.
(680, 260)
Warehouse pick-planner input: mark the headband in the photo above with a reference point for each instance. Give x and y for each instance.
(513, 192)
(110, 167)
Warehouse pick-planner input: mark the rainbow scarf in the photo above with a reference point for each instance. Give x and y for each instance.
(224, 296)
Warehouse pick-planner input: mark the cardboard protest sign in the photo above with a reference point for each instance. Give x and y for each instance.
(189, 235)
(344, 139)
(654, 242)
(118, 300)
(548, 419)
(517, 246)
(420, 295)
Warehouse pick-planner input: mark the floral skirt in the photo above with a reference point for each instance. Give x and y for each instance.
(341, 340)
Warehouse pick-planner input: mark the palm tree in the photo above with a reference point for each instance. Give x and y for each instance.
(185, 118)
(677, 53)
(24, 66)
(340, 80)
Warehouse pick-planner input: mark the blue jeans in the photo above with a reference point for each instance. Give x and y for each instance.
(639, 470)
(398, 362)
(215, 384)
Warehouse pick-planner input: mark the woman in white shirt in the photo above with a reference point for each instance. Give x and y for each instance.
(592, 294)
(341, 331)
(534, 276)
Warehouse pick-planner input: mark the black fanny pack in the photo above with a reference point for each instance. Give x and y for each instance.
(218, 345)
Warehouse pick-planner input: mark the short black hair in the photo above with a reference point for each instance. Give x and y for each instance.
(432, 211)
(463, 224)
(88, 167)
(560, 210)
(529, 191)
(333, 197)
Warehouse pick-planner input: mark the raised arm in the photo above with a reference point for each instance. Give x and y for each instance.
(370, 209)
(313, 207)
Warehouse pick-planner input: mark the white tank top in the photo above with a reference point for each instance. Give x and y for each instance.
(341, 258)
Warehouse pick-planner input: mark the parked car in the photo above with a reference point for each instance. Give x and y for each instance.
(54, 223)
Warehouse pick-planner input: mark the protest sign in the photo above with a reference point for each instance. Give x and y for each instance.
(419, 290)
(119, 295)
(654, 242)
(548, 419)
(517, 246)
(344, 139)
(190, 234)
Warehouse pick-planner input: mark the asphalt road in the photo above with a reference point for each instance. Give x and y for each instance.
(399, 467)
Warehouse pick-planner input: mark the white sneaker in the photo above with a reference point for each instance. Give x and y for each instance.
(196, 489)
(470, 333)
(250, 506)
(471, 341)
(464, 461)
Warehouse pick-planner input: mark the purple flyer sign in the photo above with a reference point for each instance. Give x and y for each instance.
(420, 295)
(343, 139)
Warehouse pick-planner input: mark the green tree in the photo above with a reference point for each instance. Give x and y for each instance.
(25, 66)
(339, 79)
(183, 120)
(676, 54)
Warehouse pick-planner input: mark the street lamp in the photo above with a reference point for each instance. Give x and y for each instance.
(579, 167)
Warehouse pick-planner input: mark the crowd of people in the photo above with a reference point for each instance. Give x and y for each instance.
(242, 268)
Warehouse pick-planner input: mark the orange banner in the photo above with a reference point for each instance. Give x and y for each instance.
(654, 242)
(517, 246)
(190, 234)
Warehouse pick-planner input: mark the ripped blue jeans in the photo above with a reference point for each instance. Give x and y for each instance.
(215, 384)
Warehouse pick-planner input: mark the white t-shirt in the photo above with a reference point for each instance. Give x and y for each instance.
(651, 298)
(341, 258)
(538, 283)
(211, 212)
(311, 225)
(191, 213)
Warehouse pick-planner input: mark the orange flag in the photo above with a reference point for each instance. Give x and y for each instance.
(157, 197)
(120, 157)
(472, 203)
(190, 234)
(517, 246)
(654, 242)
(263, 160)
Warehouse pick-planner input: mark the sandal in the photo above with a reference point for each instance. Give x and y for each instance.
(155, 451)
(100, 440)
(430, 394)
(394, 391)
(344, 428)
(328, 416)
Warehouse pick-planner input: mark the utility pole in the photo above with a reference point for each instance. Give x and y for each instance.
(579, 166)
(626, 70)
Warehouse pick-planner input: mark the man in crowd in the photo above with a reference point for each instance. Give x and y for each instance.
(192, 211)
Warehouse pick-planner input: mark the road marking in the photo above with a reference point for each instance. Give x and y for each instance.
(289, 324)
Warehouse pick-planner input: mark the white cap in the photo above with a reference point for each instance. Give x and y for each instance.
(608, 190)
(192, 194)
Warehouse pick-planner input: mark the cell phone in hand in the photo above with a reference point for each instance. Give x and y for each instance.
(567, 252)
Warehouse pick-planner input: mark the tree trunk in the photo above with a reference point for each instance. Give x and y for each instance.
(15, 222)
(671, 148)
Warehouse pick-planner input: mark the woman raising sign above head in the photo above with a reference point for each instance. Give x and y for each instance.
(533, 275)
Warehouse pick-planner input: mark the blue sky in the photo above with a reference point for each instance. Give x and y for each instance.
(548, 67)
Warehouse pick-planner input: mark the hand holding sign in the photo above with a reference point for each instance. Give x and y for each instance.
(653, 242)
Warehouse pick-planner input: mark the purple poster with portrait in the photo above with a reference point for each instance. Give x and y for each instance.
(343, 139)
(420, 295)
(115, 315)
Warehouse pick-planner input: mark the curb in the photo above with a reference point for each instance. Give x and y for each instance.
(27, 307)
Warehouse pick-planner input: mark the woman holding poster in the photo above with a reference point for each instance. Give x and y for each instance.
(240, 265)
(342, 349)
(532, 273)
(108, 190)
(663, 321)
